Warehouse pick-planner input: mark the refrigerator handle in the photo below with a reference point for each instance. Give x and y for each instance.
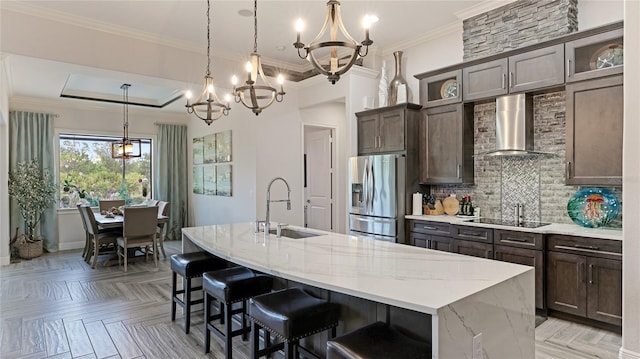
(371, 186)
(365, 189)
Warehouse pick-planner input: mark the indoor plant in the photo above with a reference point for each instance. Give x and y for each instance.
(34, 191)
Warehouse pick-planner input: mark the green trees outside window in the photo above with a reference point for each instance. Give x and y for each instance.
(88, 173)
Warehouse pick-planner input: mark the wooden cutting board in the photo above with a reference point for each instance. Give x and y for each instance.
(451, 206)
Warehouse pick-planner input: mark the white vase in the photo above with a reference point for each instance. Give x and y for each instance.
(398, 91)
(383, 86)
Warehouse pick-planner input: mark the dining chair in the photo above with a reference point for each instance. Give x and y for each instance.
(153, 203)
(99, 239)
(163, 210)
(105, 205)
(87, 237)
(139, 230)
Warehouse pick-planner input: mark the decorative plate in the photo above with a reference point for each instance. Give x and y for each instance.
(593, 207)
(607, 56)
(449, 89)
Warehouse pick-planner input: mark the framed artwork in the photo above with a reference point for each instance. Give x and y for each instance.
(209, 153)
(223, 181)
(198, 148)
(198, 178)
(223, 146)
(209, 174)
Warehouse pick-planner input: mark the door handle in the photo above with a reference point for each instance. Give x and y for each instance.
(591, 274)
(504, 80)
(580, 272)
(568, 170)
(458, 170)
(568, 68)
(380, 141)
(511, 79)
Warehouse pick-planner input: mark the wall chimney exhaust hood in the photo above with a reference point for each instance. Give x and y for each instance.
(514, 127)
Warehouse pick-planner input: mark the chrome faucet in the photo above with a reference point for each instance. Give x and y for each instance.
(269, 200)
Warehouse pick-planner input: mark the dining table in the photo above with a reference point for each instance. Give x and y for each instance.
(117, 221)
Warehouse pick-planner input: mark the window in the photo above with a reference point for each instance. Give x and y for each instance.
(87, 170)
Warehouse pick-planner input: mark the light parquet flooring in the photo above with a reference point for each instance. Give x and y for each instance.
(56, 306)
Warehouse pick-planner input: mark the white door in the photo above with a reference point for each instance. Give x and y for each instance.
(318, 204)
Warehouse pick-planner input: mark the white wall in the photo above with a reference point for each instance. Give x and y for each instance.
(631, 183)
(78, 116)
(5, 231)
(594, 13)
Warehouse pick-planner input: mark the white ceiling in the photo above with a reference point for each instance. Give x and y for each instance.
(183, 23)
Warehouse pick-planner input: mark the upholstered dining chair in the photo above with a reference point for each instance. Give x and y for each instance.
(98, 239)
(152, 203)
(105, 205)
(163, 210)
(139, 230)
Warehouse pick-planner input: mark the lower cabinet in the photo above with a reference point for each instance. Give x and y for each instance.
(436, 242)
(528, 257)
(585, 279)
(471, 248)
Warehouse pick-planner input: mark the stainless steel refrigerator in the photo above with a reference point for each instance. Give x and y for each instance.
(378, 195)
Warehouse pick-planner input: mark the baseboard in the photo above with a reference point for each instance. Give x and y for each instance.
(4, 261)
(65, 246)
(628, 354)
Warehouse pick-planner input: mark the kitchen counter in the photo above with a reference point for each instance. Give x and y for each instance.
(463, 295)
(553, 228)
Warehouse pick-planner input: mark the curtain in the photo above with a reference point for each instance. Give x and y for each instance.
(171, 175)
(31, 136)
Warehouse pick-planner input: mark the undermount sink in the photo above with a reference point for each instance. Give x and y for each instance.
(295, 234)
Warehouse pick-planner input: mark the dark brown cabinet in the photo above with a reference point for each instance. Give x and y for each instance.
(471, 248)
(584, 277)
(528, 71)
(523, 248)
(446, 144)
(595, 56)
(441, 89)
(594, 132)
(386, 129)
(473, 241)
(432, 235)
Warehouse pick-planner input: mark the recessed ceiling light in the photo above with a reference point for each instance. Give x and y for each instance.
(245, 12)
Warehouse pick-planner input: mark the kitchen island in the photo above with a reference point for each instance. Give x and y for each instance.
(463, 297)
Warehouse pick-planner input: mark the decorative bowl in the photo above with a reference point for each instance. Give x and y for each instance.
(593, 207)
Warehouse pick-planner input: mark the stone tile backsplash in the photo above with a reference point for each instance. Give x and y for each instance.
(537, 182)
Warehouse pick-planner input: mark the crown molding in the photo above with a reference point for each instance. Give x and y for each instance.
(453, 27)
(483, 7)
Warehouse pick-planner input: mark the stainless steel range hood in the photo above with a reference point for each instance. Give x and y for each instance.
(514, 127)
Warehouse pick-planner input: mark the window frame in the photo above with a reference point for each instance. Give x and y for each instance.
(100, 133)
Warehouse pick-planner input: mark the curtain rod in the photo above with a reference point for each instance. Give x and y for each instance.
(168, 123)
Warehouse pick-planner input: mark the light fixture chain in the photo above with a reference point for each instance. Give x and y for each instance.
(255, 26)
(208, 39)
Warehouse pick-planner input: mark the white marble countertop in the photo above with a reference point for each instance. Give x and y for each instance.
(553, 228)
(405, 276)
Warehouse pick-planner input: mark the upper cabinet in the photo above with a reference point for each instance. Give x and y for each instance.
(527, 71)
(594, 132)
(386, 129)
(446, 144)
(441, 89)
(595, 56)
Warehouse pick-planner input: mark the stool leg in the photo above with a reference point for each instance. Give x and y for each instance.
(187, 305)
(255, 340)
(228, 330)
(289, 350)
(267, 342)
(173, 295)
(207, 337)
(244, 321)
(221, 313)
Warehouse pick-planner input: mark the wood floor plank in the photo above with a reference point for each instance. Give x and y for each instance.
(127, 346)
(55, 338)
(102, 343)
(147, 343)
(11, 339)
(79, 342)
(33, 337)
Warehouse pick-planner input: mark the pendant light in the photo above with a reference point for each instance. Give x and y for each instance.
(127, 147)
(207, 107)
(254, 95)
(348, 48)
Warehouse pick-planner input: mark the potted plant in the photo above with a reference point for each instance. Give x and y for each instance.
(34, 191)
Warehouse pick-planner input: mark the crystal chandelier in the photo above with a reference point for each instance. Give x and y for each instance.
(208, 107)
(253, 95)
(335, 66)
(127, 147)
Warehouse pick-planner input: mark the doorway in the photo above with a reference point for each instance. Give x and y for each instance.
(319, 151)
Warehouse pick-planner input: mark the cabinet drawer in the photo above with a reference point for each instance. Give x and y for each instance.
(471, 248)
(476, 234)
(593, 247)
(518, 239)
(419, 240)
(430, 227)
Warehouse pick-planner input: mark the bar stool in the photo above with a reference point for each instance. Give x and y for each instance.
(291, 314)
(189, 266)
(228, 286)
(377, 340)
